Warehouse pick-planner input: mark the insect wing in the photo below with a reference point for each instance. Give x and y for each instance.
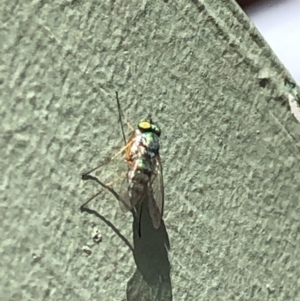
(137, 190)
(156, 196)
(123, 195)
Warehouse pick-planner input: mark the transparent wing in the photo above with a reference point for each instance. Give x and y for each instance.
(123, 192)
(156, 196)
(136, 194)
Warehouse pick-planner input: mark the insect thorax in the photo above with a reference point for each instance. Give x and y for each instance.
(151, 143)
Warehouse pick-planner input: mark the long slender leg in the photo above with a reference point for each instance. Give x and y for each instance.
(121, 115)
(106, 187)
(110, 184)
(103, 185)
(90, 199)
(84, 175)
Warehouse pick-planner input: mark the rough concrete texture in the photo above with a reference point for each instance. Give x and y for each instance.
(230, 151)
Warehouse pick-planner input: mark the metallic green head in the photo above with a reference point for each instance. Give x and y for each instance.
(147, 125)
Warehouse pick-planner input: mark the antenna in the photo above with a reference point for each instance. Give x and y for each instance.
(120, 117)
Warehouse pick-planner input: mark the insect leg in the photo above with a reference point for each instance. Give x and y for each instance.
(90, 199)
(89, 177)
(84, 175)
(110, 184)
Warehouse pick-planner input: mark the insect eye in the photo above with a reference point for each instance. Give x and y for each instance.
(144, 125)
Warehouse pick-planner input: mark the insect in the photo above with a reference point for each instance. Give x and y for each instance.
(143, 179)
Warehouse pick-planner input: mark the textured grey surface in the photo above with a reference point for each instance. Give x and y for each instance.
(230, 151)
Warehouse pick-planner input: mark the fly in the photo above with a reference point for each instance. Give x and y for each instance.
(142, 179)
